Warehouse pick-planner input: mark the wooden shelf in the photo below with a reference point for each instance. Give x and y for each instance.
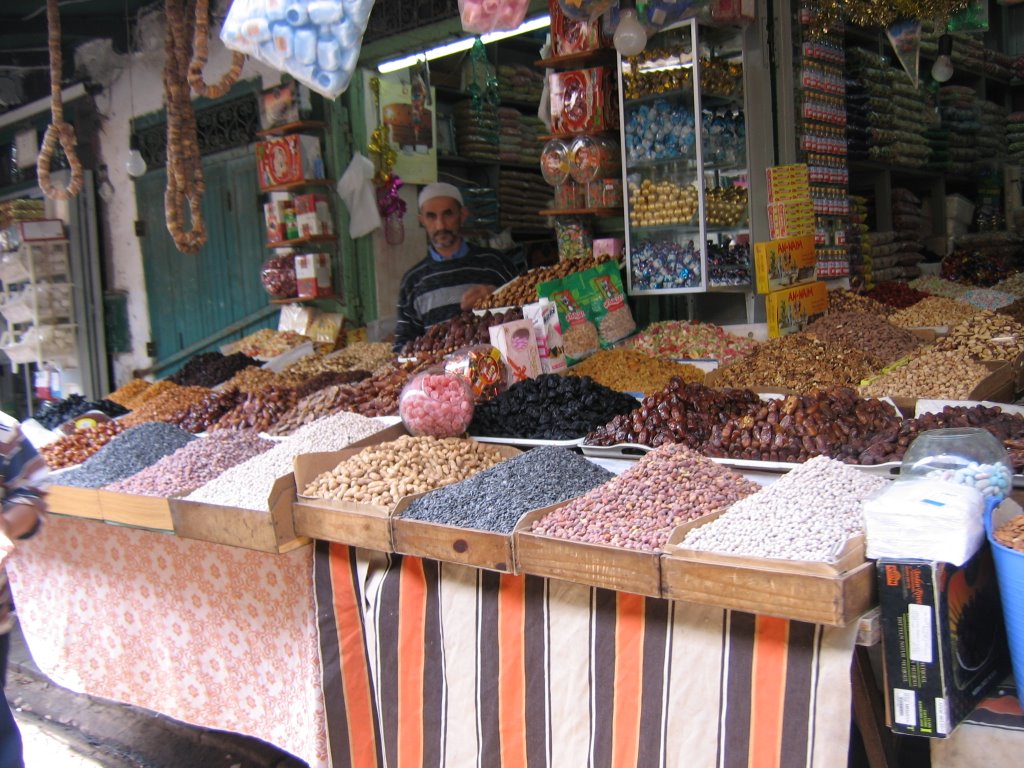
(304, 241)
(299, 185)
(581, 212)
(581, 58)
(301, 125)
(303, 299)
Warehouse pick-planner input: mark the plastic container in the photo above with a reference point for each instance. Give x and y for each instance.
(1010, 575)
(554, 162)
(278, 277)
(436, 404)
(966, 455)
(480, 366)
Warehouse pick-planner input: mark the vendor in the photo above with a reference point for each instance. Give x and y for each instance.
(453, 276)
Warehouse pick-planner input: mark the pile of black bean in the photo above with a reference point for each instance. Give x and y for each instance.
(55, 412)
(209, 369)
(130, 452)
(495, 499)
(550, 407)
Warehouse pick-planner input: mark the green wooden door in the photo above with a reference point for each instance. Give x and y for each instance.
(196, 297)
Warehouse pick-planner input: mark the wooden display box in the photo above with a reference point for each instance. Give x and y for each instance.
(597, 565)
(153, 512)
(490, 550)
(822, 593)
(74, 502)
(358, 525)
(265, 530)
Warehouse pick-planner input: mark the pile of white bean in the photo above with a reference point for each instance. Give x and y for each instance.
(248, 485)
(808, 514)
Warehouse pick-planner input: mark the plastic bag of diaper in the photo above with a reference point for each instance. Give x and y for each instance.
(482, 16)
(315, 41)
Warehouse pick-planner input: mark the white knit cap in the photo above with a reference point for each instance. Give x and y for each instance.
(439, 189)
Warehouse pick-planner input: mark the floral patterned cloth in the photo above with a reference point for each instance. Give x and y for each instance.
(212, 635)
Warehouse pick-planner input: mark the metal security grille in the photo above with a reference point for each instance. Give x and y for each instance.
(393, 17)
(222, 126)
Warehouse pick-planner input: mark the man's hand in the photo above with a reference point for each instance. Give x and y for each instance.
(475, 294)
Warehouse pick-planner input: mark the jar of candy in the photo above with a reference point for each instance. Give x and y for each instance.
(437, 404)
(554, 162)
(278, 276)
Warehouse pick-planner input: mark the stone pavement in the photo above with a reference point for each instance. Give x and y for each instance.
(62, 729)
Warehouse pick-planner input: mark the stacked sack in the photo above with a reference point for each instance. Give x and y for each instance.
(1015, 135)
(859, 243)
(517, 136)
(476, 130)
(992, 135)
(909, 221)
(519, 82)
(960, 115)
(482, 203)
(885, 256)
(886, 115)
(522, 195)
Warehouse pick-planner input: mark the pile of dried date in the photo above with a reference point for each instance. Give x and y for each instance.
(464, 329)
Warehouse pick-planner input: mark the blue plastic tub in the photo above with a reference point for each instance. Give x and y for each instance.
(1010, 574)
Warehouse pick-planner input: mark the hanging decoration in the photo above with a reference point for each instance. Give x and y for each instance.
(200, 55)
(390, 204)
(905, 38)
(482, 16)
(58, 130)
(185, 181)
(882, 13)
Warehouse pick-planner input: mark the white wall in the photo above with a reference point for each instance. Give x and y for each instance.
(125, 268)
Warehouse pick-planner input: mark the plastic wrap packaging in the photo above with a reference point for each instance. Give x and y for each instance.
(315, 41)
(482, 16)
(296, 318)
(278, 276)
(481, 367)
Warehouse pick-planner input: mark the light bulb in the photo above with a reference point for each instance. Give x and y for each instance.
(136, 164)
(630, 37)
(942, 69)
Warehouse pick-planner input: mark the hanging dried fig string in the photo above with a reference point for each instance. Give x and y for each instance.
(200, 56)
(184, 167)
(58, 130)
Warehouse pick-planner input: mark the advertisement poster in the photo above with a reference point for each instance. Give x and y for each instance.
(412, 125)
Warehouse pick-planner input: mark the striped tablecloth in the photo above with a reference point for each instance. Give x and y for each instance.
(431, 664)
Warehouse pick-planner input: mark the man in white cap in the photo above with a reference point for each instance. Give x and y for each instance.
(453, 276)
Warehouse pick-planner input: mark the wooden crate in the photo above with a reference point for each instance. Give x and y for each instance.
(822, 593)
(266, 530)
(153, 512)
(597, 565)
(74, 502)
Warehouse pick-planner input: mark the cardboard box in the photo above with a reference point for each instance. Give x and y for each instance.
(283, 104)
(570, 36)
(288, 160)
(274, 216)
(313, 275)
(518, 346)
(942, 639)
(790, 309)
(788, 182)
(583, 101)
(313, 213)
(793, 218)
(783, 263)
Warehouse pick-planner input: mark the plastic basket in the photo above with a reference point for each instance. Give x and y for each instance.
(1010, 574)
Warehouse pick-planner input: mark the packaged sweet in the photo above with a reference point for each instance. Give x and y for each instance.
(481, 366)
(328, 328)
(437, 404)
(278, 276)
(482, 16)
(548, 330)
(296, 319)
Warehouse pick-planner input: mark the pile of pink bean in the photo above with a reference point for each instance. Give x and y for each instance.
(436, 404)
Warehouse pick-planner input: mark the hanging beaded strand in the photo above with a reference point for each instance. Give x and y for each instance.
(184, 168)
(58, 130)
(200, 56)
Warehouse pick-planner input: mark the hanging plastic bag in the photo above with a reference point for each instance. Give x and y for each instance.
(355, 188)
(482, 16)
(315, 41)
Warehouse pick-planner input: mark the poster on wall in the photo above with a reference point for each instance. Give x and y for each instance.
(412, 125)
(905, 37)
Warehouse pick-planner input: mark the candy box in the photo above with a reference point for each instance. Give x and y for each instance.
(790, 309)
(274, 216)
(572, 36)
(583, 101)
(942, 638)
(313, 214)
(518, 346)
(313, 275)
(288, 160)
(608, 246)
(548, 330)
(783, 263)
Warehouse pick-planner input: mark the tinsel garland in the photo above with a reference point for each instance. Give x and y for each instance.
(882, 13)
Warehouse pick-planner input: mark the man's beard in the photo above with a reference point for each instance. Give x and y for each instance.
(444, 238)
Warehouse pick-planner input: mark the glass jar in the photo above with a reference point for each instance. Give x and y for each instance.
(965, 455)
(278, 276)
(437, 404)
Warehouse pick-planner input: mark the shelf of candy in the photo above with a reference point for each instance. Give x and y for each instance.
(662, 203)
(665, 265)
(729, 264)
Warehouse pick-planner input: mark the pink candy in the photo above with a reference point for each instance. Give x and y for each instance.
(436, 404)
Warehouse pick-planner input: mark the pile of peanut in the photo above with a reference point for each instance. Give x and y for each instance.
(986, 336)
(949, 375)
(932, 312)
(382, 474)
